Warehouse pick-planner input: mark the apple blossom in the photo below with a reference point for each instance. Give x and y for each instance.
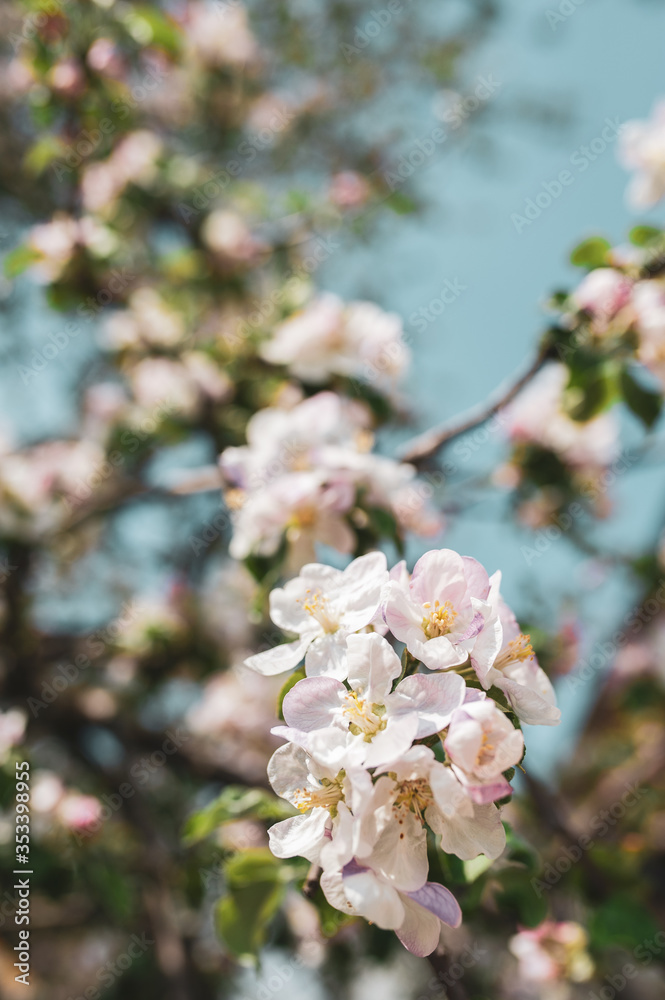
(482, 743)
(323, 606)
(442, 610)
(642, 149)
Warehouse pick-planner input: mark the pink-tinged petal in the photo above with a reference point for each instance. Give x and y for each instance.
(434, 697)
(287, 770)
(338, 851)
(469, 836)
(326, 657)
(300, 836)
(463, 743)
(490, 791)
(486, 647)
(313, 703)
(439, 575)
(420, 930)
(439, 901)
(373, 665)
(401, 614)
(392, 742)
(375, 900)
(332, 884)
(400, 853)
(438, 653)
(473, 628)
(531, 695)
(477, 579)
(278, 659)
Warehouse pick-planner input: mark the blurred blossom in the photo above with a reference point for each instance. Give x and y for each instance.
(227, 595)
(227, 234)
(78, 812)
(36, 483)
(147, 321)
(553, 952)
(67, 78)
(184, 385)
(153, 621)
(104, 404)
(603, 293)
(56, 241)
(349, 189)
(12, 730)
(642, 149)
(133, 161)
(649, 308)
(328, 337)
(234, 718)
(103, 57)
(538, 416)
(220, 35)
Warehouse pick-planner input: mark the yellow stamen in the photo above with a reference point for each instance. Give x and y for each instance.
(440, 620)
(517, 651)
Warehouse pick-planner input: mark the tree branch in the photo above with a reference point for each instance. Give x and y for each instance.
(427, 444)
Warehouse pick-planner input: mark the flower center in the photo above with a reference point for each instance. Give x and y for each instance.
(438, 620)
(414, 796)
(517, 651)
(364, 719)
(325, 796)
(486, 752)
(317, 606)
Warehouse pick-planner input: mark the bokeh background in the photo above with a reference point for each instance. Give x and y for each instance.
(546, 81)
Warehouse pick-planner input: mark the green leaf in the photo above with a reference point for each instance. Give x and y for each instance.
(644, 403)
(235, 802)
(622, 921)
(18, 260)
(591, 253)
(242, 916)
(640, 236)
(476, 867)
(296, 676)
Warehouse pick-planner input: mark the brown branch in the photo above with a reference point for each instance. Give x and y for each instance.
(427, 444)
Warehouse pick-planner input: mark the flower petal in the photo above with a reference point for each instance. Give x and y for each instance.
(373, 666)
(300, 836)
(439, 901)
(375, 900)
(280, 658)
(313, 703)
(420, 930)
(433, 696)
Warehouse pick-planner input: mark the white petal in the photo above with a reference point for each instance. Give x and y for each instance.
(300, 836)
(373, 665)
(433, 696)
(288, 771)
(420, 930)
(400, 853)
(392, 742)
(280, 658)
(374, 900)
(313, 703)
(326, 657)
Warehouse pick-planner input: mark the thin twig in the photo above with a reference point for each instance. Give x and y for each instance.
(427, 444)
(312, 881)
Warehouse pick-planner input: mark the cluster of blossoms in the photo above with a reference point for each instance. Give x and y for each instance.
(381, 749)
(307, 474)
(329, 337)
(642, 149)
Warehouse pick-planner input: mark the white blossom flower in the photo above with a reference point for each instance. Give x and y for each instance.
(442, 611)
(323, 606)
(642, 149)
(415, 916)
(482, 743)
(379, 725)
